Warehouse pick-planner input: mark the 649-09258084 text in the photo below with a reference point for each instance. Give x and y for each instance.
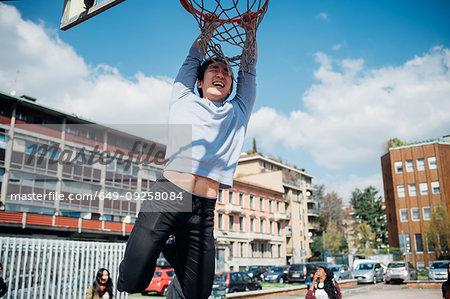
(144, 195)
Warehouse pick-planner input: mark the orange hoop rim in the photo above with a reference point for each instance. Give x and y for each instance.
(189, 8)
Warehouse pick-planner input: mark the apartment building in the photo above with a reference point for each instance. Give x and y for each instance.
(416, 179)
(65, 176)
(300, 207)
(250, 226)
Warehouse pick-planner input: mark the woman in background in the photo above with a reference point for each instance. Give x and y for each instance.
(102, 288)
(323, 286)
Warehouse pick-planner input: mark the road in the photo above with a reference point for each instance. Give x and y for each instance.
(381, 291)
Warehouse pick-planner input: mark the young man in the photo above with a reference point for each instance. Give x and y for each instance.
(218, 131)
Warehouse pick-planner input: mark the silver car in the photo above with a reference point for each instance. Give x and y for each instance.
(369, 272)
(400, 271)
(438, 270)
(341, 272)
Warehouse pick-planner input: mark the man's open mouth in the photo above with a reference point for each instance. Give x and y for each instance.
(219, 84)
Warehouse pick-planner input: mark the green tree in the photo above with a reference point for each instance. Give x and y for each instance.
(317, 246)
(437, 232)
(255, 148)
(365, 238)
(394, 142)
(334, 240)
(368, 208)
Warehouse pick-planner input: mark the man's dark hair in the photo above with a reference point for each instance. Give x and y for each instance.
(201, 73)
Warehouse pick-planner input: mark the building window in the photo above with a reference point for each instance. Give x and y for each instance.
(278, 207)
(241, 199)
(252, 202)
(261, 226)
(415, 216)
(426, 213)
(220, 221)
(435, 188)
(412, 190)
(401, 191)
(403, 215)
(279, 228)
(420, 164)
(241, 224)
(409, 166)
(270, 206)
(230, 197)
(423, 188)
(252, 225)
(220, 197)
(432, 163)
(271, 227)
(231, 249)
(231, 222)
(261, 203)
(398, 167)
(419, 243)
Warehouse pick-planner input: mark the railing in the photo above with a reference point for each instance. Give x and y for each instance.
(40, 268)
(313, 212)
(292, 183)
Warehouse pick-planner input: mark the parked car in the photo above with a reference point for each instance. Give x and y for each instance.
(256, 271)
(299, 272)
(160, 281)
(235, 282)
(400, 271)
(438, 270)
(368, 272)
(276, 274)
(341, 272)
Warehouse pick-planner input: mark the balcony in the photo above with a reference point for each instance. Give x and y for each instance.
(281, 216)
(289, 250)
(313, 212)
(232, 208)
(265, 237)
(313, 226)
(293, 183)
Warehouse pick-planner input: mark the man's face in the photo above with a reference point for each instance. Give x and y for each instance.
(216, 83)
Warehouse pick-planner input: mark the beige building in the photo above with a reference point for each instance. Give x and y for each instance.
(301, 209)
(250, 225)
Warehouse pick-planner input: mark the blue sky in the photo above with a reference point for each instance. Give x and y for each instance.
(336, 79)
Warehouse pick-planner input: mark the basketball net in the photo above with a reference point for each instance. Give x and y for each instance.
(229, 31)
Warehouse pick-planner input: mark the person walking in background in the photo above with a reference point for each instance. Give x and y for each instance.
(446, 285)
(309, 280)
(102, 288)
(323, 286)
(3, 287)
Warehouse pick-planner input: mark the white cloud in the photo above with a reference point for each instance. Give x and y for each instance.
(37, 63)
(352, 111)
(337, 47)
(323, 16)
(345, 185)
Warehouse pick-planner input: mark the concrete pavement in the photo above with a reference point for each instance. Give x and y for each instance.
(381, 291)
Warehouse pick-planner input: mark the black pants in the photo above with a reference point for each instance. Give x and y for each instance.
(192, 256)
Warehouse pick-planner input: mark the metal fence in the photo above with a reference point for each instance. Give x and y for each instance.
(43, 268)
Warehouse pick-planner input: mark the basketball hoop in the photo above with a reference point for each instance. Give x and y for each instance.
(229, 34)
